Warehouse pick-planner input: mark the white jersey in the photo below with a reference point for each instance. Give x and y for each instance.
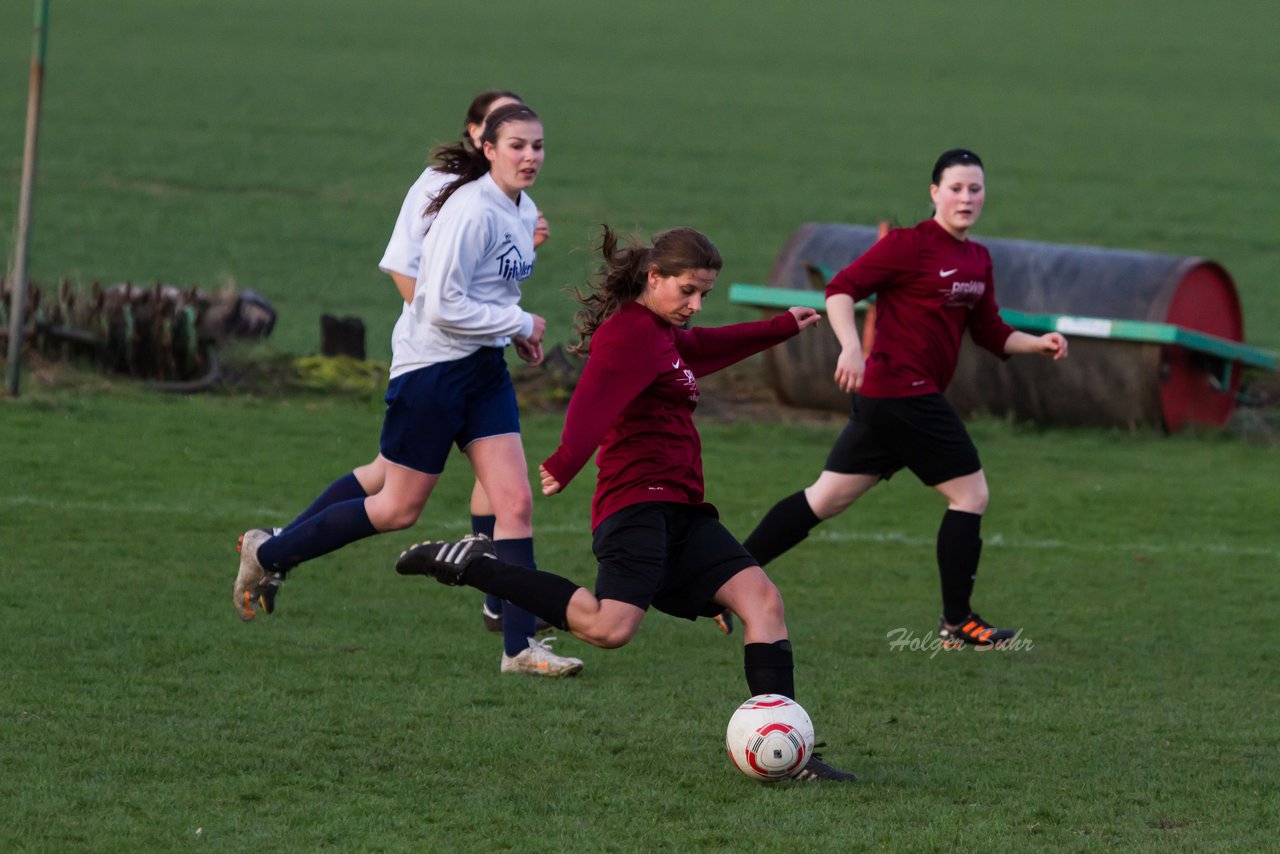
(404, 250)
(474, 258)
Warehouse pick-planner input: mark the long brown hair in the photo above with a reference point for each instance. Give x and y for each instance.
(468, 163)
(625, 272)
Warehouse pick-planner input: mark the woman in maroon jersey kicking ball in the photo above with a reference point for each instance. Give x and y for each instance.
(931, 284)
(656, 540)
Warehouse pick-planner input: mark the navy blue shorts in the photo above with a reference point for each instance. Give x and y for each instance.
(675, 557)
(922, 433)
(452, 403)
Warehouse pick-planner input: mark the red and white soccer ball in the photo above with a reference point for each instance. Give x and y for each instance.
(769, 737)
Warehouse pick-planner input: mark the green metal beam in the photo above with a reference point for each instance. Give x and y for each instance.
(760, 296)
(1147, 332)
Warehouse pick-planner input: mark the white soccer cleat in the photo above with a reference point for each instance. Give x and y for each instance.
(251, 572)
(539, 660)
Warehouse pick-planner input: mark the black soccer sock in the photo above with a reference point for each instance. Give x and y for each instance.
(782, 528)
(769, 668)
(542, 593)
(959, 548)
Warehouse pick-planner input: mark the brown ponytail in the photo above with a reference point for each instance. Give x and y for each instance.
(476, 114)
(468, 163)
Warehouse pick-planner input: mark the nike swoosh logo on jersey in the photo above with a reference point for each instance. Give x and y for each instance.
(676, 364)
(945, 273)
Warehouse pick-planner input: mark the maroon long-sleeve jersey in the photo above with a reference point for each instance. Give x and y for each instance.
(635, 402)
(929, 288)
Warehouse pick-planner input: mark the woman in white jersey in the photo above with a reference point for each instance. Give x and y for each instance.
(449, 383)
(401, 261)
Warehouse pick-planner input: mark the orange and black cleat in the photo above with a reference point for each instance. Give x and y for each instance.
(973, 631)
(724, 621)
(267, 589)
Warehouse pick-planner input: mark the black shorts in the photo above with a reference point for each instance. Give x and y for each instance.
(922, 433)
(668, 555)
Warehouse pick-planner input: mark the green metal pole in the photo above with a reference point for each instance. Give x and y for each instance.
(18, 298)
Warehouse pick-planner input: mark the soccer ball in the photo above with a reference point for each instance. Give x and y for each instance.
(769, 737)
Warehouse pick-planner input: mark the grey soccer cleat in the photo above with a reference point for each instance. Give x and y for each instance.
(245, 590)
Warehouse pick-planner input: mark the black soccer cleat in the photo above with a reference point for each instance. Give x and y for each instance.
(493, 622)
(724, 621)
(267, 588)
(973, 631)
(816, 769)
(446, 560)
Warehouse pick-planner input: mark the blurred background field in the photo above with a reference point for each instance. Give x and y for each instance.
(270, 145)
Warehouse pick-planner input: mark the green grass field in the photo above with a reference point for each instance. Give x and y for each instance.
(369, 713)
(270, 145)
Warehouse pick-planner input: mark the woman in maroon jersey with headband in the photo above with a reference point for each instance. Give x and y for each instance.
(656, 540)
(931, 284)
